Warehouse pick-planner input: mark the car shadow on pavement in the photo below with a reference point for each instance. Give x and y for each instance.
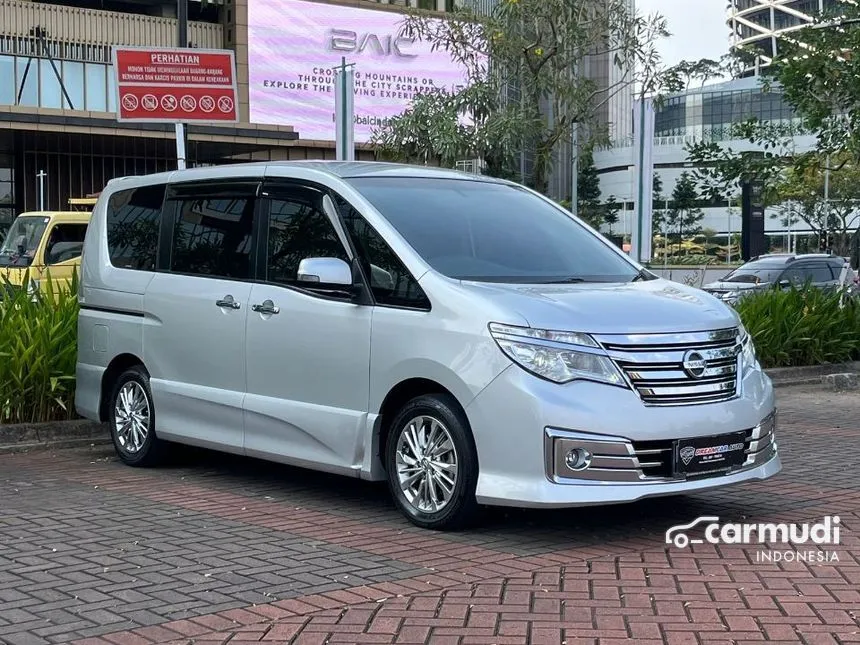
(523, 531)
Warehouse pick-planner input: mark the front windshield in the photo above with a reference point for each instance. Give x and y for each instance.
(22, 240)
(489, 232)
(756, 273)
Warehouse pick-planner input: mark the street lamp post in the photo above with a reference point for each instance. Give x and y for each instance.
(41, 175)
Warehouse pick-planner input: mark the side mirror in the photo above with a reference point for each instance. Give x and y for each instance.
(784, 284)
(325, 271)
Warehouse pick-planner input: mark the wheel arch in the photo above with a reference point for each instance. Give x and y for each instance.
(398, 396)
(117, 366)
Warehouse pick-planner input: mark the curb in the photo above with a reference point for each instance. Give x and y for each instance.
(26, 437)
(815, 375)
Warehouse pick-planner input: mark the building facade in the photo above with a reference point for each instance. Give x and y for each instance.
(59, 136)
(702, 114)
(756, 25)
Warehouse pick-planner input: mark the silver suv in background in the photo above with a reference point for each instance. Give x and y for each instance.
(463, 338)
(821, 270)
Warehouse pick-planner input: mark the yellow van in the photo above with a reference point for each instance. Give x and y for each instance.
(47, 244)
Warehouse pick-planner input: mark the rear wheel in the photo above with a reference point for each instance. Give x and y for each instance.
(132, 419)
(432, 464)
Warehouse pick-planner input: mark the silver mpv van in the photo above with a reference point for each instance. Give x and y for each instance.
(462, 337)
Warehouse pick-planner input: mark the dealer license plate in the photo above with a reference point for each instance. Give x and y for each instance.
(702, 455)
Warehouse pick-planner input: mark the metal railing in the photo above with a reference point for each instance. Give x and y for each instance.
(96, 29)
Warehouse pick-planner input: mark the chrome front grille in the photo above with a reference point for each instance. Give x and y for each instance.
(678, 369)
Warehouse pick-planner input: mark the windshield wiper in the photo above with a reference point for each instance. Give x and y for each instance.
(644, 275)
(569, 280)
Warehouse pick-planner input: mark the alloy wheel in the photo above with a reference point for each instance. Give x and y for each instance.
(427, 464)
(132, 416)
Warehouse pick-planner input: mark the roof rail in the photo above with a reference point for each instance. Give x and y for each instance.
(790, 256)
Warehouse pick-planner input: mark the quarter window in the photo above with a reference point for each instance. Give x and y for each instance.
(391, 282)
(133, 223)
(212, 237)
(298, 229)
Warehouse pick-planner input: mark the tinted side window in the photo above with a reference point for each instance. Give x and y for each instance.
(818, 272)
(298, 229)
(212, 237)
(133, 223)
(65, 242)
(391, 282)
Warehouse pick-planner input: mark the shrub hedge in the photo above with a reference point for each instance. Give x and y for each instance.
(38, 351)
(802, 325)
(38, 342)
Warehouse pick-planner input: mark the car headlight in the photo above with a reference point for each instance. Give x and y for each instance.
(748, 355)
(557, 356)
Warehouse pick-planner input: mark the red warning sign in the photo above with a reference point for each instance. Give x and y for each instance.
(175, 85)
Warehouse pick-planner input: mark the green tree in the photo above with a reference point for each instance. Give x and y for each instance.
(588, 203)
(657, 203)
(701, 71)
(684, 216)
(802, 193)
(444, 127)
(540, 48)
(611, 209)
(817, 69)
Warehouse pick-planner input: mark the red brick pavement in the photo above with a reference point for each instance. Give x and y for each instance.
(579, 576)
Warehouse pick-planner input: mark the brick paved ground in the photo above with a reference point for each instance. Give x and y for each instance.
(214, 548)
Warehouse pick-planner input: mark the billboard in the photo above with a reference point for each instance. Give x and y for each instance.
(294, 46)
(177, 85)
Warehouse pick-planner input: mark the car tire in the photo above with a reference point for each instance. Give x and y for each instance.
(131, 416)
(432, 463)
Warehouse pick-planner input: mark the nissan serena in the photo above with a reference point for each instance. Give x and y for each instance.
(462, 337)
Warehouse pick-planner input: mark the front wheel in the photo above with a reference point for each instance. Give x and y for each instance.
(432, 463)
(132, 419)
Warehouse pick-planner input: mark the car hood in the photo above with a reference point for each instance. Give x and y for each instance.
(652, 306)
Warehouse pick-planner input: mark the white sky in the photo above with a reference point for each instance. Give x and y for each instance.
(698, 28)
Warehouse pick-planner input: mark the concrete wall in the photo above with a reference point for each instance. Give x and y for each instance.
(696, 274)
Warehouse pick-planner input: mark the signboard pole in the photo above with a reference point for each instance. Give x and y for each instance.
(344, 111)
(182, 26)
(180, 146)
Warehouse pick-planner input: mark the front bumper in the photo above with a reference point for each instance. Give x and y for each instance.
(525, 426)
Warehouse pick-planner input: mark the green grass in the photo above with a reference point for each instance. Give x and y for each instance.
(802, 326)
(38, 351)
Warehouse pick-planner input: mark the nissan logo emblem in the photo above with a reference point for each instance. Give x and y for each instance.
(695, 364)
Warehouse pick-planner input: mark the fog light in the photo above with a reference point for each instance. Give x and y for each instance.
(578, 459)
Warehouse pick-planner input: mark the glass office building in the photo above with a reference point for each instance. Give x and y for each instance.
(756, 25)
(708, 113)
